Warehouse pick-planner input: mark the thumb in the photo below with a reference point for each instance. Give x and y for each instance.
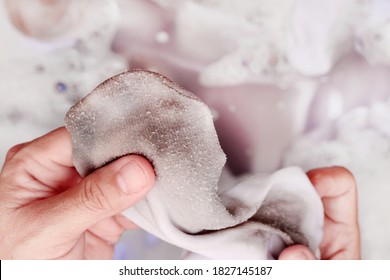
(297, 252)
(102, 194)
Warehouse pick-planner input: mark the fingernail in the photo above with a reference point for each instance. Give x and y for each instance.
(302, 255)
(299, 255)
(131, 178)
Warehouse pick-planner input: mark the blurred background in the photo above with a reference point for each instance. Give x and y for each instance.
(289, 82)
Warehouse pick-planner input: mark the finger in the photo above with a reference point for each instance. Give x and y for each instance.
(97, 249)
(337, 188)
(55, 145)
(108, 230)
(104, 193)
(47, 160)
(75, 253)
(125, 223)
(14, 150)
(297, 252)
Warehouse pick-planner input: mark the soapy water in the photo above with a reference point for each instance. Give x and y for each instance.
(345, 43)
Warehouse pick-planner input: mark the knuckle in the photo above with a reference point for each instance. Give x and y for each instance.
(14, 166)
(13, 151)
(18, 157)
(94, 197)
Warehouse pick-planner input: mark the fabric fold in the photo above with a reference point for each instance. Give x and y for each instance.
(142, 112)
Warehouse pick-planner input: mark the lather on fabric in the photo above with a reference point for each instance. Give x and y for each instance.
(141, 112)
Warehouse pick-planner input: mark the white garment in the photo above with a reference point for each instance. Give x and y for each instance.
(144, 113)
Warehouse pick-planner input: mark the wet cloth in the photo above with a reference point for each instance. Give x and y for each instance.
(141, 112)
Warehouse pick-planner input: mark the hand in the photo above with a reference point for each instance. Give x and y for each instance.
(47, 211)
(337, 189)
